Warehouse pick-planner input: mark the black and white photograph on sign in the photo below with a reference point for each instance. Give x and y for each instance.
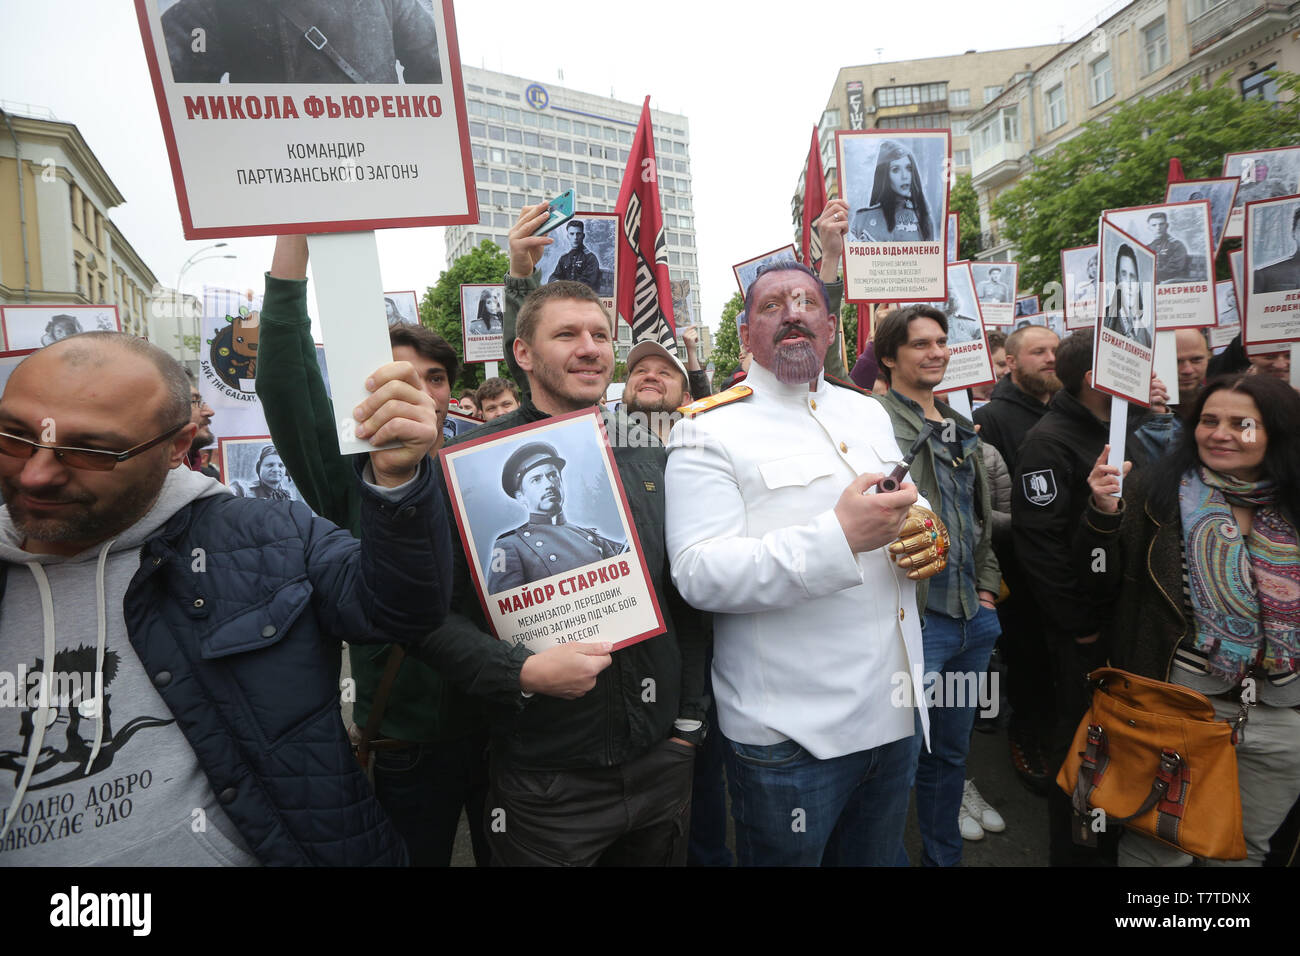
(252, 468)
(1026, 305)
(1123, 348)
(1271, 243)
(995, 287)
(1262, 174)
(969, 362)
(1237, 266)
(1079, 270)
(302, 41)
(546, 530)
(1229, 324)
(1179, 235)
(8, 362)
(895, 183)
(482, 316)
(401, 308)
(29, 327)
(954, 234)
(746, 272)
(584, 251)
(1048, 320)
(310, 116)
(1219, 193)
(456, 424)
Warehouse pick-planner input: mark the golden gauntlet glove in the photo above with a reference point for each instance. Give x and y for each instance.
(922, 546)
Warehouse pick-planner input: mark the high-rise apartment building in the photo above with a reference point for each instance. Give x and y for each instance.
(531, 141)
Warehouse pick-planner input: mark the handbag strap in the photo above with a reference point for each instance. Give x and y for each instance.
(1168, 788)
(319, 41)
(376, 716)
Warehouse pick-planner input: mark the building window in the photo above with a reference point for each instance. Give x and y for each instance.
(991, 93)
(1011, 125)
(958, 127)
(478, 152)
(478, 129)
(1103, 87)
(1260, 86)
(1155, 46)
(497, 155)
(958, 98)
(961, 157)
(919, 121)
(1056, 106)
(1198, 8)
(908, 95)
(514, 136)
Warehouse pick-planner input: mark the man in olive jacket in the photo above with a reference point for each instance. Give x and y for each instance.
(957, 605)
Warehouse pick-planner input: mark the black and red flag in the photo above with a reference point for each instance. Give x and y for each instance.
(644, 297)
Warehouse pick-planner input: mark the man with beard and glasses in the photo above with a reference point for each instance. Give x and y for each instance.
(216, 653)
(774, 525)
(591, 752)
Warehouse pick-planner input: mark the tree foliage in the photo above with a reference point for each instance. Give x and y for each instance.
(964, 200)
(1123, 158)
(726, 344)
(440, 309)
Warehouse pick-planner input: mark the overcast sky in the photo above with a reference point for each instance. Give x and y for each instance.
(752, 78)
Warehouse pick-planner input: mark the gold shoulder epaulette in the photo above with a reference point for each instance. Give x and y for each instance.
(733, 394)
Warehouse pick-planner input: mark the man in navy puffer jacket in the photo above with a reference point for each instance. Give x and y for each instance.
(175, 650)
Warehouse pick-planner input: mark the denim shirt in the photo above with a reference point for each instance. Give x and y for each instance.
(953, 591)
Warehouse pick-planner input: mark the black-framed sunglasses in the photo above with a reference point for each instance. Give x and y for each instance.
(91, 459)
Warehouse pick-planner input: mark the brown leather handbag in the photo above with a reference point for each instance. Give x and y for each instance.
(1155, 758)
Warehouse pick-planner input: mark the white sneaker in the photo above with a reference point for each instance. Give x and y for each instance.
(972, 803)
(969, 826)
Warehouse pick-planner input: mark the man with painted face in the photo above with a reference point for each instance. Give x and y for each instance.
(546, 543)
(775, 525)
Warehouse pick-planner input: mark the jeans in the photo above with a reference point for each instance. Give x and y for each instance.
(423, 788)
(792, 809)
(708, 839)
(958, 651)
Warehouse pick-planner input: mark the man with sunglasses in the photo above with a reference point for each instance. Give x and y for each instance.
(172, 650)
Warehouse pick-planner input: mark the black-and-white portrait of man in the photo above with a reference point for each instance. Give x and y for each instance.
(546, 543)
(584, 251)
(302, 41)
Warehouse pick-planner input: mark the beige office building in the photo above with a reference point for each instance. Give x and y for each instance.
(941, 92)
(1146, 48)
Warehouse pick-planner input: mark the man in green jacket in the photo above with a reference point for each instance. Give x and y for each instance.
(430, 743)
(960, 622)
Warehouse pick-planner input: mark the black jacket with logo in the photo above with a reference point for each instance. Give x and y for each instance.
(1048, 496)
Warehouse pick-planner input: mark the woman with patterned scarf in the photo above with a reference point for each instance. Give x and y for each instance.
(1201, 564)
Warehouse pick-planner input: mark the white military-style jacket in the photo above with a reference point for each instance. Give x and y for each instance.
(811, 642)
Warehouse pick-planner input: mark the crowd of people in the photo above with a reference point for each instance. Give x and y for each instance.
(819, 620)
